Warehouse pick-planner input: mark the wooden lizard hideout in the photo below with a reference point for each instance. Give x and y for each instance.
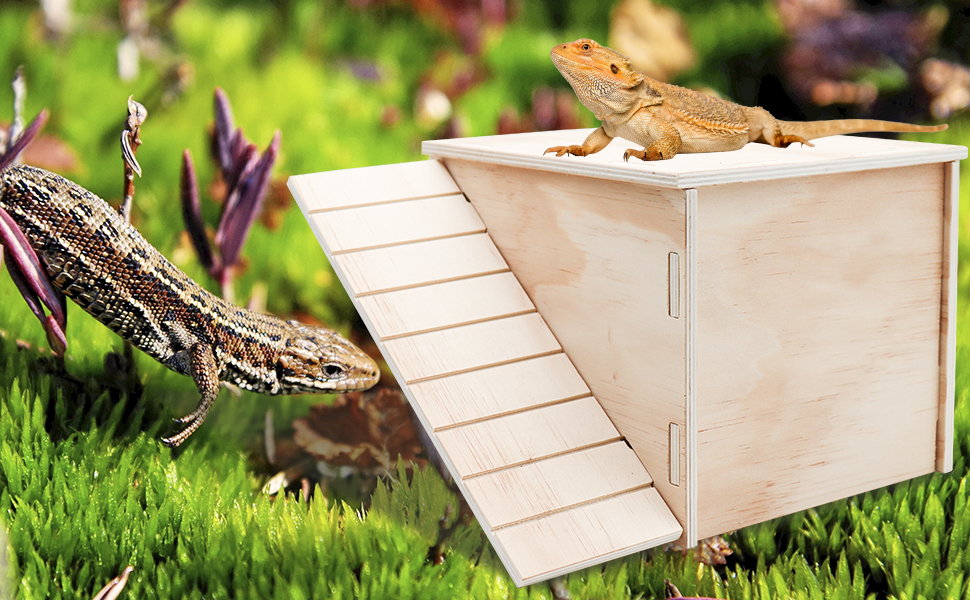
(613, 356)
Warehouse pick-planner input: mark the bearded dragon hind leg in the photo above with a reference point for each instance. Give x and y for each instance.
(783, 141)
(641, 154)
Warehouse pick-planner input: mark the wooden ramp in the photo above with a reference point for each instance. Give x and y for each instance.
(552, 482)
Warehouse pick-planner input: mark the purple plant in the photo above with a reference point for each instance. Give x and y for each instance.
(246, 174)
(25, 267)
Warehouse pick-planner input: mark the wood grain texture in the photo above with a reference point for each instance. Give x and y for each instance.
(420, 263)
(502, 442)
(818, 340)
(370, 185)
(587, 535)
(460, 302)
(458, 349)
(754, 162)
(593, 256)
(379, 225)
(554, 484)
(948, 317)
(504, 389)
(505, 415)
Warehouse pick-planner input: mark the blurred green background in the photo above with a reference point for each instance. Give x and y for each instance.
(86, 489)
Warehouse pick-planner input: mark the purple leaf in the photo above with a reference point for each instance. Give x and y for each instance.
(55, 335)
(53, 328)
(25, 259)
(25, 138)
(224, 132)
(244, 162)
(192, 212)
(243, 168)
(239, 217)
(33, 301)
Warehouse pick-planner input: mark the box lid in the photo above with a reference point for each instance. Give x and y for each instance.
(754, 162)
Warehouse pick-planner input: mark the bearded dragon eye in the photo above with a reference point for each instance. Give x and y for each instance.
(614, 69)
(586, 47)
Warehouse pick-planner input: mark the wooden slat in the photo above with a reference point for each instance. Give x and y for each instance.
(445, 304)
(498, 390)
(388, 224)
(948, 317)
(420, 263)
(538, 488)
(470, 346)
(586, 535)
(515, 439)
(370, 185)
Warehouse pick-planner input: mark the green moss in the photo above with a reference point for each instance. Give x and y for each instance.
(85, 488)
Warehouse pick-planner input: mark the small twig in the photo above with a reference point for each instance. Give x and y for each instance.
(114, 587)
(129, 145)
(269, 438)
(19, 85)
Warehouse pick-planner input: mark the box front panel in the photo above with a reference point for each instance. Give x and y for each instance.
(595, 257)
(818, 336)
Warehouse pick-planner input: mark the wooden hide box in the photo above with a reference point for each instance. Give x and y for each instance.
(614, 356)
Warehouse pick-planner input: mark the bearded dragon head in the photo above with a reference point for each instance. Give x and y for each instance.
(603, 79)
(319, 360)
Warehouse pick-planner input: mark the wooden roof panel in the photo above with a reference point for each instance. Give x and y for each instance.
(420, 263)
(554, 484)
(467, 347)
(519, 438)
(587, 535)
(500, 390)
(377, 225)
(371, 185)
(435, 306)
(532, 451)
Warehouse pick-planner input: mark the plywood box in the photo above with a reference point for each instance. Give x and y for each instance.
(613, 356)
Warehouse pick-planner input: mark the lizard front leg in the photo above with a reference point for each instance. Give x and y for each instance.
(198, 361)
(666, 145)
(204, 371)
(595, 142)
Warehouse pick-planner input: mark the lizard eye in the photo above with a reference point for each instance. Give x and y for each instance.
(614, 69)
(586, 47)
(332, 370)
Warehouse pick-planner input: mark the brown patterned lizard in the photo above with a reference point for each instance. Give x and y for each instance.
(97, 259)
(667, 120)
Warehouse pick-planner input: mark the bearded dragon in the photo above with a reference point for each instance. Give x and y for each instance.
(667, 120)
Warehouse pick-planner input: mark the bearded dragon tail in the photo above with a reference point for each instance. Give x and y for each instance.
(816, 129)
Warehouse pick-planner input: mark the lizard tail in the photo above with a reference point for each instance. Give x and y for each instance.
(816, 129)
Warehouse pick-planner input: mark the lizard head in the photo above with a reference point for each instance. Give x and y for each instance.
(603, 79)
(318, 360)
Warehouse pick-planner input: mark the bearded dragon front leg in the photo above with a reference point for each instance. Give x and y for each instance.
(595, 142)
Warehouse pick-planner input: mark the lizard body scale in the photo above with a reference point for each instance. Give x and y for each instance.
(97, 259)
(668, 120)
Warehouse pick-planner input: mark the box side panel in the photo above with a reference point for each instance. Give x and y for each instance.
(594, 257)
(948, 317)
(818, 339)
